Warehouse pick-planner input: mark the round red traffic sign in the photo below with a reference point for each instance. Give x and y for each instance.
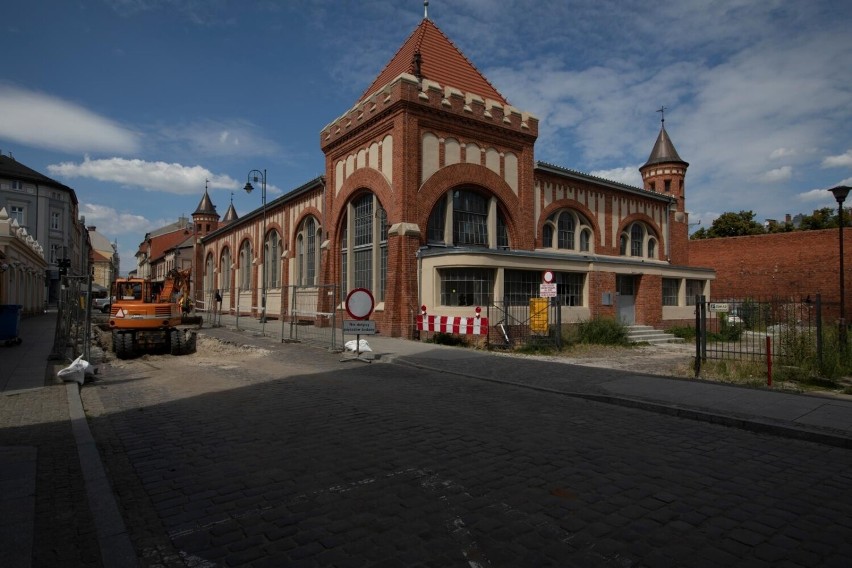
(547, 276)
(360, 303)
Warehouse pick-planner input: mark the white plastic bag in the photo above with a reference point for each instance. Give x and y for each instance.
(76, 371)
(362, 347)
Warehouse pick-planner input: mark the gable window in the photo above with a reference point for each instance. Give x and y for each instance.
(567, 230)
(638, 240)
(470, 218)
(462, 218)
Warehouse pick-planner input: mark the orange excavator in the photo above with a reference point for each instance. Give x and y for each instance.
(144, 319)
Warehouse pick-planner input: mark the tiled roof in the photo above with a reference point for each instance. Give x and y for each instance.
(163, 243)
(440, 61)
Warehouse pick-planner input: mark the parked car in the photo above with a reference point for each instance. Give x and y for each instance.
(102, 304)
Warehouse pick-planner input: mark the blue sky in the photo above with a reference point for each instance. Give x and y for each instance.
(135, 103)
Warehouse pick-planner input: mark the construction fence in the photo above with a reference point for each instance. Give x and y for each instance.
(304, 314)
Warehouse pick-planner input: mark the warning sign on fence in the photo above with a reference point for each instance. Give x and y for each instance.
(538, 315)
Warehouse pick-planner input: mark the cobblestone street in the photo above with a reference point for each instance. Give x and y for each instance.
(292, 458)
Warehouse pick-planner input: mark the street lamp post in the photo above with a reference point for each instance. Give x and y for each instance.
(260, 176)
(840, 192)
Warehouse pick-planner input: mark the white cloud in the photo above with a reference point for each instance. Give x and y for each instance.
(781, 153)
(152, 176)
(815, 196)
(113, 223)
(628, 175)
(843, 160)
(778, 174)
(42, 121)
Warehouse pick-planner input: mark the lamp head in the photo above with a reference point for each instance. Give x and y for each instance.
(249, 187)
(840, 192)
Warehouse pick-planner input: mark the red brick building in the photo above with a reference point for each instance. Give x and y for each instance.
(432, 196)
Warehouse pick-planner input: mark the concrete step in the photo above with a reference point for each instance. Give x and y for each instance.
(647, 334)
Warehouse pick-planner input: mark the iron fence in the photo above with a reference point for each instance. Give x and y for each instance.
(771, 330)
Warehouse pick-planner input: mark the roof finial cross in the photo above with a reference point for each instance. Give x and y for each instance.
(232, 198)
(206, 181)
(662, 111)
(425, 9)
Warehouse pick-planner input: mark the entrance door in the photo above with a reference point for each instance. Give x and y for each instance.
(626, 299)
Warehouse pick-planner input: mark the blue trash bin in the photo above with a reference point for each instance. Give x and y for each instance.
(10, 323)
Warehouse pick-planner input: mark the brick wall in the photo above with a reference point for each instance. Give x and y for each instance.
(783, 264)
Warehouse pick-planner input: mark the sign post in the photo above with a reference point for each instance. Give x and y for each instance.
(359, 305)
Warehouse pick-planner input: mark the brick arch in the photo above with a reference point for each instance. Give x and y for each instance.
(240, 248)
(632, 218)
(363, 179)
(464, 174)
(452, 176)
(566, 204)
(309, 211)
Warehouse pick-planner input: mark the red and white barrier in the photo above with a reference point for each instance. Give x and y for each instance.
(449, 324)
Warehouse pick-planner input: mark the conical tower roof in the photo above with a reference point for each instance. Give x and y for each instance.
(664, 151)
(206, 206)
(230, 214)
(440, 61)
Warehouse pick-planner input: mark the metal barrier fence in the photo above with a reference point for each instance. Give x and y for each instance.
(537, 322)
(304, 314)
(783, 330)
(73, 333)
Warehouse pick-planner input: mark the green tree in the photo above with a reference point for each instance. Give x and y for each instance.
(825, 218)
(735, 225)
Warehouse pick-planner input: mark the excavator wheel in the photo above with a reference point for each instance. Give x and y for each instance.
(122, 344)
(176, 342)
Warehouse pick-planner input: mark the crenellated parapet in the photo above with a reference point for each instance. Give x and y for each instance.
(430, 94)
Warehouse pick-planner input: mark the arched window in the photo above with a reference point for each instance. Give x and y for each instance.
(307, 252)
(245, 265)
(585, 240)
(462, 218)
(565, 225)
(565, 235)
(272, 259)
(209, 275)
(364, 256)
(638, 240)
(225, 270)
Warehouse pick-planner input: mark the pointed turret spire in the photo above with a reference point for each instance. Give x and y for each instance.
(206, 207)
(231, 213)
(664, 150)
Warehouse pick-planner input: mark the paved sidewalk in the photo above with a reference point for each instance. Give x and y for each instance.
(57, 507)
